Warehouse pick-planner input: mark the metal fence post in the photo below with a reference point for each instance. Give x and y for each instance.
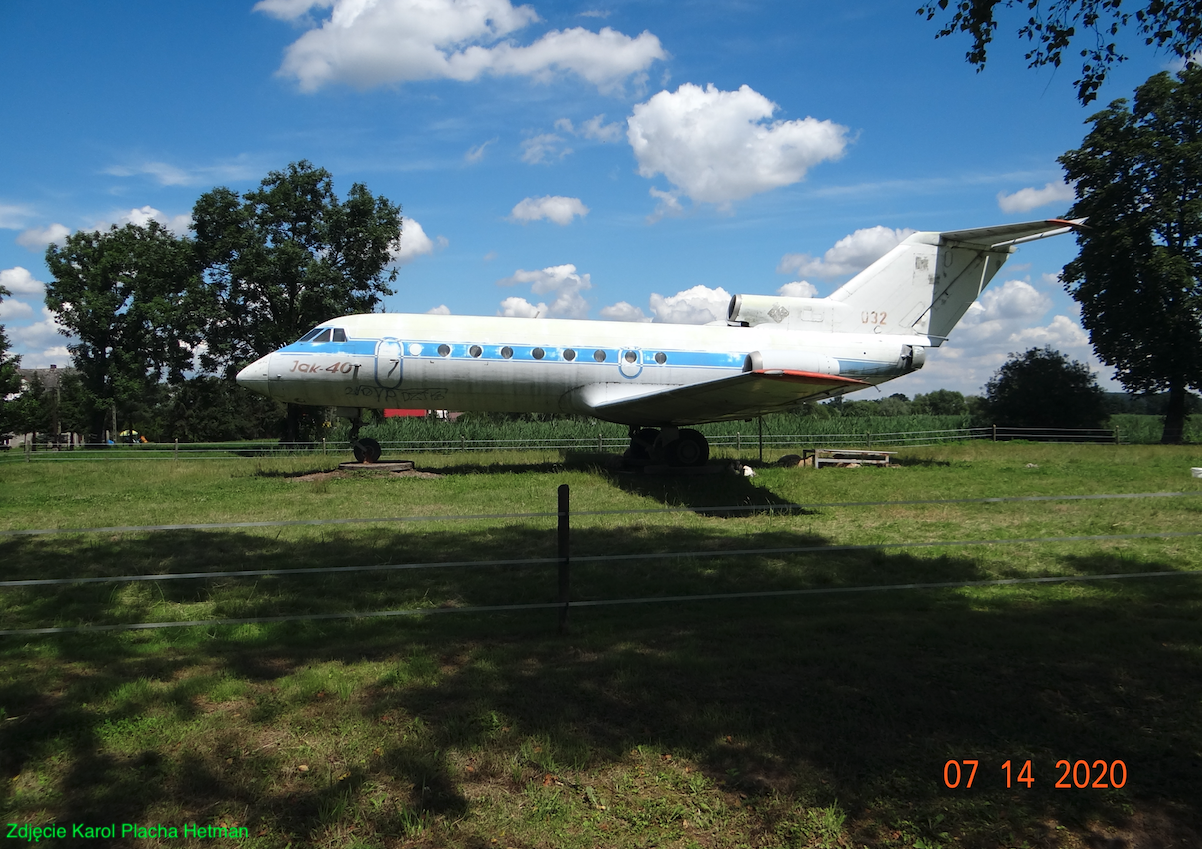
(564, 578)
(177, 449)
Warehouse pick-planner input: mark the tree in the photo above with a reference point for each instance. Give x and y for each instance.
(1043, 388)
(128, 295)
(1054, 26)
(941, 402)
(10, 379)
(288, 256)
(1138, 176)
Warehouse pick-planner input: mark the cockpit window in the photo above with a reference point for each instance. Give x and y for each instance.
(339, 335)
(308, 336)
(324, 336)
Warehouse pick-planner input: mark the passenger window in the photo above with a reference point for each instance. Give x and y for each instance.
(569, 354)
(538, 353)
(507, 352)
(661, 357)
(475, 350)
(599, 356)
(444, 350)
(630, 356)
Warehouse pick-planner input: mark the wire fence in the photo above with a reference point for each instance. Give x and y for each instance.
(601, 443)
(564, 557)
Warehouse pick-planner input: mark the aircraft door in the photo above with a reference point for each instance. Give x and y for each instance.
(389, 363)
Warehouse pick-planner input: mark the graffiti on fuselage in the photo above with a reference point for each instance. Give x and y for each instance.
(390, 360)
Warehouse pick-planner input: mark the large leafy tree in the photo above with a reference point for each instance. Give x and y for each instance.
(287, 256)
(1088, 27)
(1043, 388)
(1138, 178)
(128, 295)
(10, 379)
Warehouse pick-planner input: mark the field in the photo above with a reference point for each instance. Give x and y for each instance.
(824, 718)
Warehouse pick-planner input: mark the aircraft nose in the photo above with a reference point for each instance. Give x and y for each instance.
(254, 376)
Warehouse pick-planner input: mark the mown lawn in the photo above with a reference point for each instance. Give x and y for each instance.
(795, 721)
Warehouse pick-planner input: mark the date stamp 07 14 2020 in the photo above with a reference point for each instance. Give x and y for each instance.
(1079, 774)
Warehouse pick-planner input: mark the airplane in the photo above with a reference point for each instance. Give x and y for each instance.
(770, 352)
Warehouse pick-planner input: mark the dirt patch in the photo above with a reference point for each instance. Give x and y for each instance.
(336, 474)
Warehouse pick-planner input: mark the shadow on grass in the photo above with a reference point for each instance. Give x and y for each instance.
(856, 699)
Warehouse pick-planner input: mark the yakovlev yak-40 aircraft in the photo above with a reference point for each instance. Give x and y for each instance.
(770, 353)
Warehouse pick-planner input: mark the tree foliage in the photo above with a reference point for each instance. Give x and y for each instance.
(1043, 388)
(1138, 176)
(287, 256)
(129, 296)
(10, 379)
(1089, 26)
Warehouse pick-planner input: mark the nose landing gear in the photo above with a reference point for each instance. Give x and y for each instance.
(671, 446)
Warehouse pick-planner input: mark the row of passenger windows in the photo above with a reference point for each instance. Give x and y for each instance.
(568, 354)
(337, 334)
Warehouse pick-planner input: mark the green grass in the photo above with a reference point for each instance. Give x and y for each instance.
(809, 721)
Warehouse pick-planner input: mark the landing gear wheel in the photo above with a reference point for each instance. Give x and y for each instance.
(690, 449)
(641, 443)
(367, 450)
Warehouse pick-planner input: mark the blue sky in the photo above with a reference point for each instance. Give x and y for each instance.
(622, 160)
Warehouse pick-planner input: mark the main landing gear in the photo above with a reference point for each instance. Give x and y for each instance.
(366, 450)
(670, 446)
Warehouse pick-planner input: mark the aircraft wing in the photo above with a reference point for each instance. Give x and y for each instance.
(743, 396)
(1012, 234)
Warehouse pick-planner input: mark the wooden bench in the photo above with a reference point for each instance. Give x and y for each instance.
(843, 456)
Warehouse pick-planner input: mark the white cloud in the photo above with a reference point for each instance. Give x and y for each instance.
(20, 281)
(441, 309)
(594, 128)
(178, 224)
(366, 43)
(556, 208)
(475, 154)
(166, 174)
(623, 311)
(697, 305)
(10, 309)
(12, 217)
(415, 243)
(39, 340)
(560, 280)
(38, 239)
(1030, 198)
(798, 289)
(718, 147)
(543, 148)
(850, 255)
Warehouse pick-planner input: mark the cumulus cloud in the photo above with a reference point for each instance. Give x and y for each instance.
(850, 255)
(544, 147)
(623, 311)
(178, 224)
(718, 146)
(441, 309)
(11, 309)
(798, 289)
(40, 343)
(698, 305)
(21, 282)
(39, 238)
(166, 174)
(415, 242)
(556, 208)
(562, 281)
(1031, 198)
(366, 43)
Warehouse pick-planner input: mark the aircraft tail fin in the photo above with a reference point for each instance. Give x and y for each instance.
(926, 284)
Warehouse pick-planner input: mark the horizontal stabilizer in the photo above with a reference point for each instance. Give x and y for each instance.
(743, 396)
(1012, 234)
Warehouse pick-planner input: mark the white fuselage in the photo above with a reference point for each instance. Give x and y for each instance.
(540, 365)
